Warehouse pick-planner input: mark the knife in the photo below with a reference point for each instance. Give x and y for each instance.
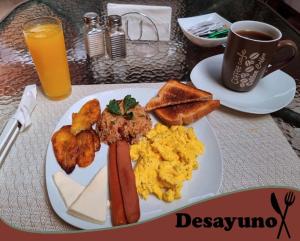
(18, 122)
(8, 137)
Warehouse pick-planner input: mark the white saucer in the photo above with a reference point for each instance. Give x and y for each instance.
(272, 93)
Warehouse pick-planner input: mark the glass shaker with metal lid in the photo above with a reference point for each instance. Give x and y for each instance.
(94, 35)
(115, 37)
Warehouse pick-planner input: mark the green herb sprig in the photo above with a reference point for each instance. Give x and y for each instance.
(113, 107)
(128, 102)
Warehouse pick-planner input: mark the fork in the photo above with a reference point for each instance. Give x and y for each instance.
(288, 200)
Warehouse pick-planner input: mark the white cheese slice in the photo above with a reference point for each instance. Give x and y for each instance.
(67, 187)
(91, 204)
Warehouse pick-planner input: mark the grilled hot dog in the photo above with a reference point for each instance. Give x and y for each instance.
(127, 183)
(117, 209)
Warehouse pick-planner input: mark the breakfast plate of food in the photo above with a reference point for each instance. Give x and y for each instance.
(130, 155)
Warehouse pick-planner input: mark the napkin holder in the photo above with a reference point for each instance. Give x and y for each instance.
(143, 48)
(156, 20)
(144, 16)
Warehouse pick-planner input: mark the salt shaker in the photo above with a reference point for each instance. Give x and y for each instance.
(115, 37)
(94, 35)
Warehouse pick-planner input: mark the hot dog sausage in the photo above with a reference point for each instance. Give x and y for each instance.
(127, 183)
(117, 209)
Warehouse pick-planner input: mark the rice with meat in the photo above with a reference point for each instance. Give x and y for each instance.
(115, 127)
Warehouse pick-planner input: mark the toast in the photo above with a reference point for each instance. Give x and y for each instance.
(184, 114)
(174, 93)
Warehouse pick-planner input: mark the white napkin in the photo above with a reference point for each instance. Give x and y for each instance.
(26, 106)
(161, 16)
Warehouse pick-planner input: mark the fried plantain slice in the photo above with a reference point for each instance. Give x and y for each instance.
(96, 139)
(66, 149)
(88, 115)
(86, 145)
(92, 110)
(80, 123)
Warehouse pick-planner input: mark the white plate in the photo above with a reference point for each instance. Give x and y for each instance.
(205, 182)
(186, 23)
(272, 93)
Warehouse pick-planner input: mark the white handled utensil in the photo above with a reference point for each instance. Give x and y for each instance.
(18, 122)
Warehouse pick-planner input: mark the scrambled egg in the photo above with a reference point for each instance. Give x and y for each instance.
(165, 158)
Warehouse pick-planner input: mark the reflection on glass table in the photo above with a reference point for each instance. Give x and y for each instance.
(173, 60)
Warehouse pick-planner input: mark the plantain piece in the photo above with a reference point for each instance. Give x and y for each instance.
(96, 138)
(85, 140)
(91, 109)
(88, 115)
(65, 148)
(80, 123)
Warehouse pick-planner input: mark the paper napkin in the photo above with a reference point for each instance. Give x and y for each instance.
(161, 16)
(26, 106)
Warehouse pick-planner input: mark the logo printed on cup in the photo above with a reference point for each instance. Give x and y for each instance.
(252, 64)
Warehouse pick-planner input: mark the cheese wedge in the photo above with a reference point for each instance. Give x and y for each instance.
(67, 187)
(91, 204)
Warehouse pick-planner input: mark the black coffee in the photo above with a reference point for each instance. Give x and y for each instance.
(255, 35)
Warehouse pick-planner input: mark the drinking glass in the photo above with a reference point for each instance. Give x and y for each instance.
(45, 40)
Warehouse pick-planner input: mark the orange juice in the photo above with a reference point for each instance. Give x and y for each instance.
(45, 41)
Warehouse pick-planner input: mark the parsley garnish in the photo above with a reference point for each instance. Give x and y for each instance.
(128, 102)
(113, 107)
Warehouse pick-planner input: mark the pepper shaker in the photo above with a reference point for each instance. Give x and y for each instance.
(94, 35)
(115, 37)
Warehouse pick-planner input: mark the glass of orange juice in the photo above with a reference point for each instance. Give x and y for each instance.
(45, 40)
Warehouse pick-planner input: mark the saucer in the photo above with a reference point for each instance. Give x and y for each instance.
(272, 92)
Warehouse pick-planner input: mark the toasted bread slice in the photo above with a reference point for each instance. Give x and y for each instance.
(174, 92)
(184, 114)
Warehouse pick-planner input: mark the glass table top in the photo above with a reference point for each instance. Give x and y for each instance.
(172, 60)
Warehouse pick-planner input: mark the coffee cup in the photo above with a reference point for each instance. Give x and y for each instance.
(251, 46)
